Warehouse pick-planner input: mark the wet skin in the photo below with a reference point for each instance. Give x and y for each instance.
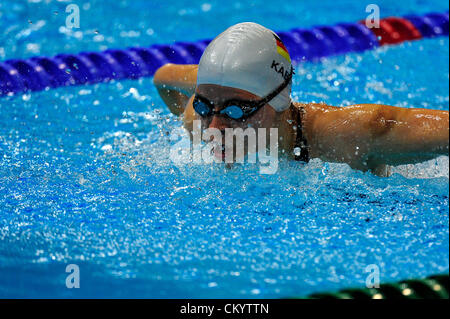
(365, 136)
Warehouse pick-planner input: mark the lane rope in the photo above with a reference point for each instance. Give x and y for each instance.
(40, 73)
(432, 287)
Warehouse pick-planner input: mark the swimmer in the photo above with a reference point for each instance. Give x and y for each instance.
(244, 80)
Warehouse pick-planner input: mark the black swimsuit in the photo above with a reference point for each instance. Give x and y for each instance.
(300, 140)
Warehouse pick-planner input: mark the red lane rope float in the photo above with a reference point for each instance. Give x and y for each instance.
(395, 30)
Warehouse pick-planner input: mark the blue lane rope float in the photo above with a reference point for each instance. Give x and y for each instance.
(39, 73)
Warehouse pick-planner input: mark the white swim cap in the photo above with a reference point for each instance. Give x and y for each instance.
(249, 57)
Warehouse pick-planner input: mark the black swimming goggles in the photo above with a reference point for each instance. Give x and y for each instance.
(237, 109)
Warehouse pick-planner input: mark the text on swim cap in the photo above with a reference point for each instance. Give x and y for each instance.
(280, 69)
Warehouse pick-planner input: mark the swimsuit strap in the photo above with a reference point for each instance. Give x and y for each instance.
(300, 140)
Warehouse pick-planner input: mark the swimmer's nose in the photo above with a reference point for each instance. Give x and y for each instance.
(219, 123)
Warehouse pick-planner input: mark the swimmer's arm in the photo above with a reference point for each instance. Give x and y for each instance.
(408, 135)
(369, 136)
(396, 136)
(176, 84)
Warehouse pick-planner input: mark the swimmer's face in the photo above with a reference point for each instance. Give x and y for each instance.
(263, 118)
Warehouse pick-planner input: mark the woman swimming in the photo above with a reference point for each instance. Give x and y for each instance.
(243, 80)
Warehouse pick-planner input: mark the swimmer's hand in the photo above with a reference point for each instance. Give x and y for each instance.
(370, 136)
(176, 84)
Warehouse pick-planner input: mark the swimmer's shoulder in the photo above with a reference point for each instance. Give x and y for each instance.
(176, 75)
(313, 106)
(313, 110)
(176, 84)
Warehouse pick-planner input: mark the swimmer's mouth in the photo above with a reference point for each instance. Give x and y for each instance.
(219, 152)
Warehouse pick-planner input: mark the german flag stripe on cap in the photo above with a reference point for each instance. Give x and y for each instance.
(281, 49)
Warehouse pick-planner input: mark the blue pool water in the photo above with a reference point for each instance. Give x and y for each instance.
(85, 175)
